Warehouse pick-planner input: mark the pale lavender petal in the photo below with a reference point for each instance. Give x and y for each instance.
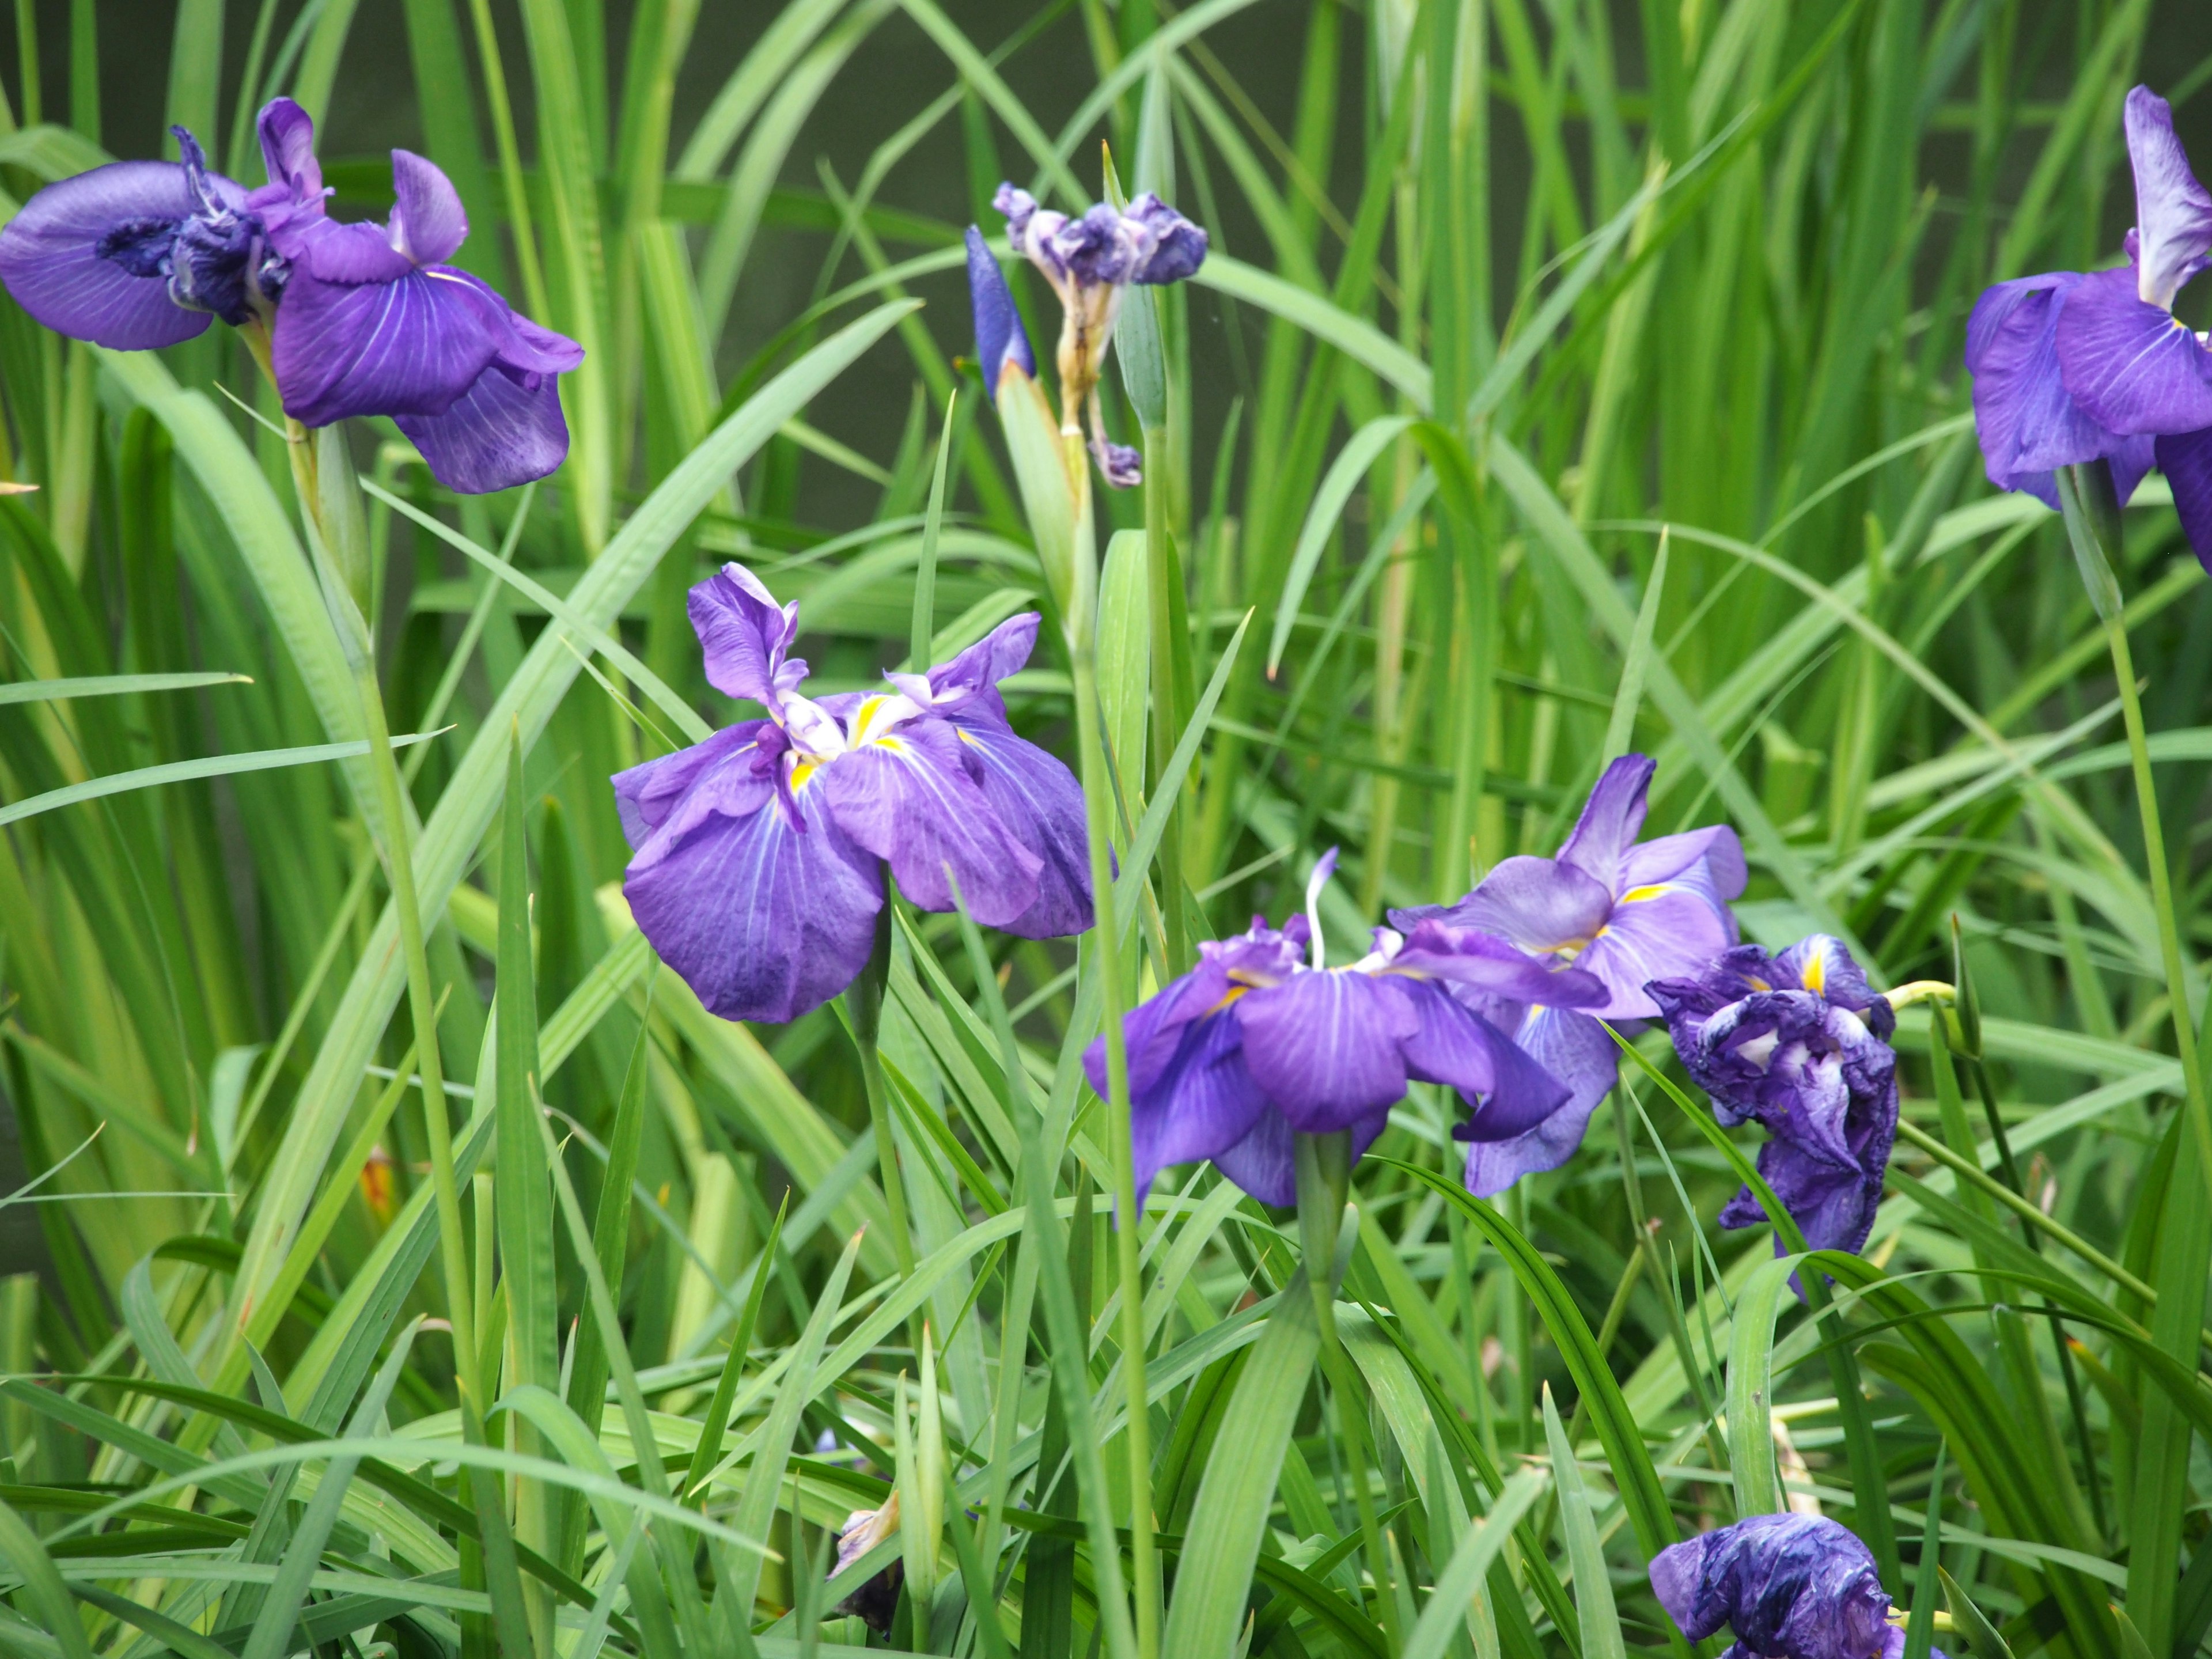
(410, 347)
(504, 430)
(1325, 1046)
(1482, 964)
(1576, 1050)
(908, 798)
(763, 917)
(2173, 212)
(743, 632)
(2131, 366)
(1710, 860)
(1793, 1586)
(1540, 904)
(1037, 797)
(1000, 339)
(1612, 819)
(428, 221)
(50, 261)
(2186, 461)
(1667, 932)
(1001, 652)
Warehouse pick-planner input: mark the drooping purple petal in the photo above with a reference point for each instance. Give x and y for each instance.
(1170, 248)
(1325, 1046)
(1037, 797)
(52, 263)
(2129, 364)
(647, 795)
(745, 636)
(1541, 905)
(428, 221)
(1575, 1049)
(1482, 965)
(413, 346)
(1455, 1046)
(2186, 461)
(2173, 212)
(1790, 1586)
(764, 917)
(1000, 337)
(1198, 1104)
(2026, 421)
(503, 431)
(909, 800)
(1264, 1162)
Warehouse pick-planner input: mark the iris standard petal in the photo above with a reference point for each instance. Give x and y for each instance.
(909, 800)
(1611, 819)
(2186, 460)
(1000, 337)
(764, 919)
(503, 431)
(744, 633)
(1001, 652)
(1325, 1046)
(50, 261)
(2173, 212)
(2130, 365)
(1540, 904)
(1037, 797)
(288, 148)
(1576, 1050)
(409, 347)
(427, 223)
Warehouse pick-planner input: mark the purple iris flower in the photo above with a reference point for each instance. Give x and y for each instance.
(1001, 340)
(2071, 367)
(1797, 1043)
(1623, 911)
(1789, 1586)
(1260, 1039)
(757, 874)
(365, 319)
(1089, 260)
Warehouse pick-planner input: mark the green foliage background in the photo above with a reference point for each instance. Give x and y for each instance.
(1566, 378)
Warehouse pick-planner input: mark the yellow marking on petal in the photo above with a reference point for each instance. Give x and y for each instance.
(1757, 983)
(1637, 894)
(1814, 976)
(867, 714)
(802, 771)
(1234, 992)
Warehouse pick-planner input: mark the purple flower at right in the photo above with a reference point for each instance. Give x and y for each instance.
(1789, 1586)
(2071, 367)
(1798, 1044)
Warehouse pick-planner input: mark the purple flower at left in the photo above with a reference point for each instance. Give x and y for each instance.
(756, 873)
(359, 318)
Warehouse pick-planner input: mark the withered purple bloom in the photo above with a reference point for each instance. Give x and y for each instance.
(1789, 1586)
(756, 873)
(1797, 1043)
(1623, 911)
(1089, 260)
(2071, 367)
(1262, 1039)
(364, 318)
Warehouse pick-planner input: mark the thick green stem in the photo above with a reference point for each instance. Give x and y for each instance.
(1105, 948)
(863, 1009)
(1324, 1176)
(1170, 684)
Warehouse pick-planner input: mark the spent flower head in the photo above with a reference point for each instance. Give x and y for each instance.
(1789, 1586)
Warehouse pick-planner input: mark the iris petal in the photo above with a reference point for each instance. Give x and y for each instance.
(1611, 819)
(409, 347)
(2173, 212)
(744, 633)
(2129, 364)
(50, 258)
(1325, 1046)
(2186, 461)
(1000, 337)
(427, 221)
(1576, 1050)
(504, 430)
(1038, 799)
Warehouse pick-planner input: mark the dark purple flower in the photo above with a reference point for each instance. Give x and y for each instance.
(756, 873)
(1797, 1043)
(2070, 368)
(1622, 911)
(1089, 260)
(1788, 1586)
(1260, 1040)
(1000, 337)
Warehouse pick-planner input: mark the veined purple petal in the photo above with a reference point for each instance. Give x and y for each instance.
(744, 635)
(288, 148)
(2025, 420)
(1576, 1050)
(1458, 1047)
(1611, 819)
(1003, 651)
(765, 914)
(1170, 247)
(1482, 964)
(503, 431)
(427, 223)
(1792, 1586)
(2130, 365)
(2186, 461)
(1662, 932)
(1540, 904)
(1708, 860)
(1264, 1162)
(1000, 337)
(1324, 1046)
(1037, 797)
(2173, 212)
(908, 798)
(409, 347)
(50, 261)
(1825, 967)
(1153, 1030)
(1198, 1102)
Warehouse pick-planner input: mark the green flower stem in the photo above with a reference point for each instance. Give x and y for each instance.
(1324, 1176)
(1171, 682)
(2093, 523)
(864, 1016)
(1105, 947)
